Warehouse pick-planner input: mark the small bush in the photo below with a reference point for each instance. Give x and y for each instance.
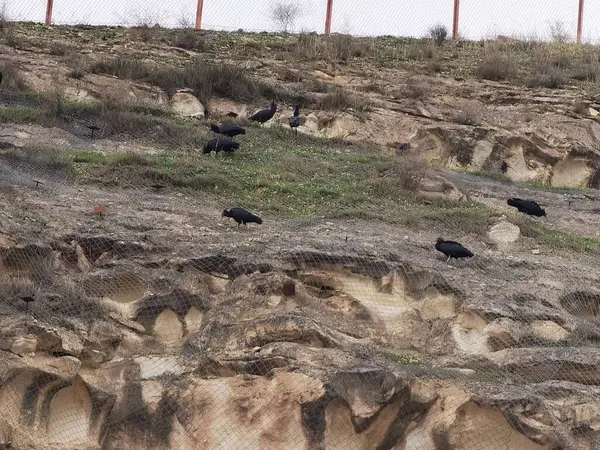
(414, 90)
(559, 33)
(122, 67)
(12, 79)
(337, 47)
(144, 32)
(339, 99)
(420, 50)
(438, 34)
(190, 40)
(60, 48)
(468, 113)
(586, 72)
(404, 174)
(496, 66)
(434, 66)
(547, 75)
(16, 40)
(79, 66)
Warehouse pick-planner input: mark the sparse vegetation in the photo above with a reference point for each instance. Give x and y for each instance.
(547, 75)
(414, 90)
(339, 99)
(439, 34)
(60, 48)
(496, 65)
(12, 78)
(285, 13)
(190, 40)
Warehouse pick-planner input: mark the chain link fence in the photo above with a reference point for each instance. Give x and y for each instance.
(478, 19)
(139, 310)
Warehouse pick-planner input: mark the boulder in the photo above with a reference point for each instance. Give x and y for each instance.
(186, 104)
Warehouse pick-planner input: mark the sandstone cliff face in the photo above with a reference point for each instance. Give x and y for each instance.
(207, 352)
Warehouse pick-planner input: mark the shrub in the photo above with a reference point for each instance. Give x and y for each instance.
(496, 66)
(438, 34)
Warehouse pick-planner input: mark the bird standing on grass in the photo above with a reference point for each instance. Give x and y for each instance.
(294, 121)
(228, 129)
(452, 249)
(264, 115)
(221, 144)
(241, 216)
(527, 206)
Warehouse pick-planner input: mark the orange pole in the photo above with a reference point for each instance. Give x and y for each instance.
(455, 21)
(199, 15)
(49, 12)
(328, 17)
(580, 21)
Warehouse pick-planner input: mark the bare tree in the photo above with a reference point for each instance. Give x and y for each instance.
(285, 13)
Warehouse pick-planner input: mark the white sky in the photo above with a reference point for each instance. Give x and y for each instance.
(478, 18)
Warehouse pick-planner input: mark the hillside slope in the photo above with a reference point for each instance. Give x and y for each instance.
(158, 324)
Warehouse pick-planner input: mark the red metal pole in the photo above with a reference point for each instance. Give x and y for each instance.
(580, 21)
(455, 21)
(328, 17)
(49, 12)
(199, 15)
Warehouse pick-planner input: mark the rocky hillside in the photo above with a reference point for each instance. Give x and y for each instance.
(334, 324)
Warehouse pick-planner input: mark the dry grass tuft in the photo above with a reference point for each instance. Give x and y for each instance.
(336, 47)
(12, 78)
(339, 99)
(404, 174)
(496, 65)
(414, 90)
(190, 40)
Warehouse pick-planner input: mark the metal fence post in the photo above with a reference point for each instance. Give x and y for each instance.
(579, 21)
(455, 21)
(328, 17)
(49, 12)
(199, 15)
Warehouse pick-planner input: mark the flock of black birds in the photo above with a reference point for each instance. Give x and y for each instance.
(224, 142)
(452, 249)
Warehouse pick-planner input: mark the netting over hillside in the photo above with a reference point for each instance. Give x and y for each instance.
(335, 263)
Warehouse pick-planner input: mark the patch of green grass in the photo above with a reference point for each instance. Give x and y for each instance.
(21, 115)
(555, 239)
(274, 170)
(39, 157)
(464, 218)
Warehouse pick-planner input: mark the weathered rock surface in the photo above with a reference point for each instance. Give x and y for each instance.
(369, 352)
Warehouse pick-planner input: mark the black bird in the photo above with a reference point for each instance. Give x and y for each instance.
(527, 206)
(504, 167)
(240, 215)
(265, 115)
(221, 144)
(452, 249)
(27, 300)
(294, 121)
(0, 77)
(228, 129)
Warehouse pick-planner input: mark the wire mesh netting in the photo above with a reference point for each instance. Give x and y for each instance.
(287, 240)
